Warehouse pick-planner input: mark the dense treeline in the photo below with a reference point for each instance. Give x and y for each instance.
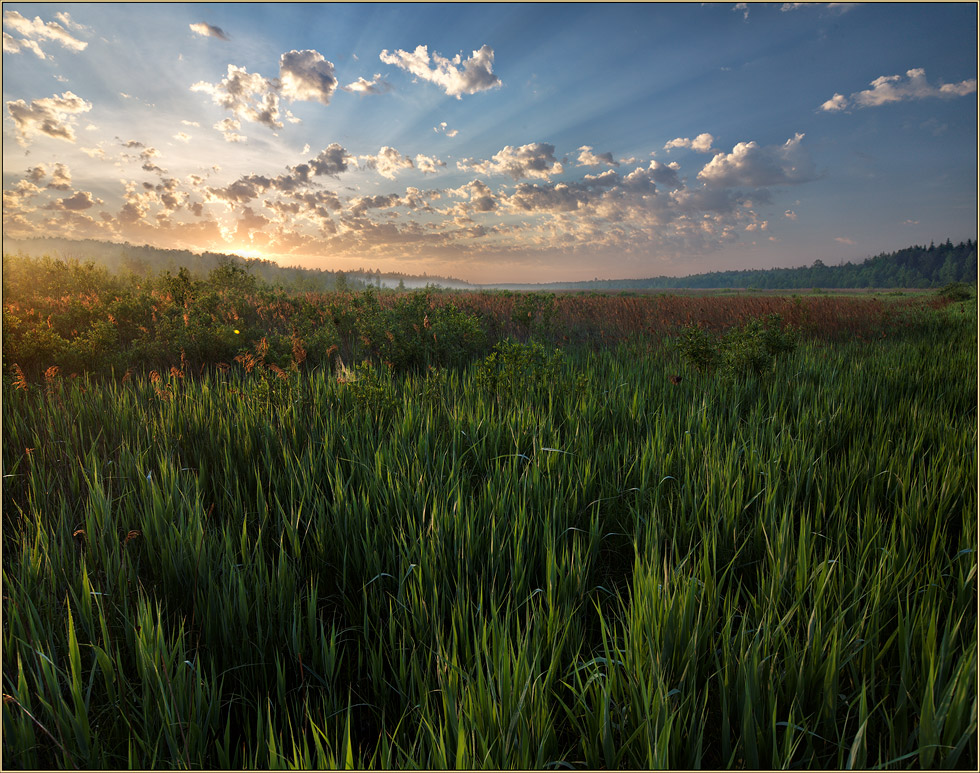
(923, 267)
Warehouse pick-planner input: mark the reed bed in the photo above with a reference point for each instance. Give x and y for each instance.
(600, 568)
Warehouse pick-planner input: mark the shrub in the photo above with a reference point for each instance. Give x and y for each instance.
(956, 291)
(514, 370)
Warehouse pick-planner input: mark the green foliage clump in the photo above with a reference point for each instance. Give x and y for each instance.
(415, 333)
(514, 370)
(749, 349)
(956, 291)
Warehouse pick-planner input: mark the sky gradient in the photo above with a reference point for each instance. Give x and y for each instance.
(508, 143)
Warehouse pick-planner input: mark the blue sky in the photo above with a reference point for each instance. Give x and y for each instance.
(513, 142)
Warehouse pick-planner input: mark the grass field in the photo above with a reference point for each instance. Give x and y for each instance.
(533, 560)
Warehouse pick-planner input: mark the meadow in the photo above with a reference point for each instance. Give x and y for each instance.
(248, 529)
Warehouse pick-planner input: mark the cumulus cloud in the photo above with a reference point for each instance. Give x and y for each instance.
(208, 30)
(36, 30)
(53, 116)
(428, 164)
(306, 76)
(753, 166)
(182, 137)
(744, 8)
(388, 162)
(587, 158)
(81, 200)
(454, 76)
(789, 214)
(248, 96)
(330, 161)
(702, 143)
(844, 240)
(364, 86)
(896, 88)
(534, 160)
(835, 104)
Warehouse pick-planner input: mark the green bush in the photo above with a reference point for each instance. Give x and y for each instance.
(956, 291)
(750, 349)
(516, 370)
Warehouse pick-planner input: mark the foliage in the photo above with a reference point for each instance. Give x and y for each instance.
(248, 568)
(517, 371)
(749, 349)
(956, 291)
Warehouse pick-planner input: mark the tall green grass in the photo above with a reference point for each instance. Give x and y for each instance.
(600, 568)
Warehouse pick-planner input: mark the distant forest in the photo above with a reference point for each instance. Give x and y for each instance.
(912, 267)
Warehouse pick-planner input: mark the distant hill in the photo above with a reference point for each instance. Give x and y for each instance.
(912, 267)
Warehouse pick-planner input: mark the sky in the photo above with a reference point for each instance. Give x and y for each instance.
(495, 143)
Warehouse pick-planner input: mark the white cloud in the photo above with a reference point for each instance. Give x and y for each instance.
(442, 128)
(306, 76)
(208, 30)
(36, 30)
(428, 164)
(702, 143)
(373, 86)
(388, 162)
(587, 158)
(454, 76)
(844, 240)
(835, 104)
(789, 214)
(53, 116)
(744, 8)
(182, 137)
(12, 45)
(534, 160)
(753, 166)
(896, 88)
(249, 97)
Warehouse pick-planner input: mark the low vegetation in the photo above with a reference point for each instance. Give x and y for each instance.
(443, 530)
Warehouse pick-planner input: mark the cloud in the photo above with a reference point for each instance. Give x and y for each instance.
(374, 86)
(835, 104)
(428, 164)
(36, 30)
(534, 160)
(702, 143)
(52, 116)
(306, 76)
(454, 76)
(838, 7)
(844, 240)
(896, 88)
(81, 200)
(249, 97)
(182, 137)
(744, 8)
(387, 162)
(229, 127)
(442, 129)
(208, 30)
(750, 165)
(587, 158)
(60, 178)
(789, 214)
(330, 161)
(13, 46)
